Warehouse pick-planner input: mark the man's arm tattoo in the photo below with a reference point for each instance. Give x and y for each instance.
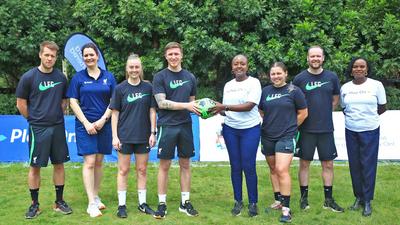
(162, 102)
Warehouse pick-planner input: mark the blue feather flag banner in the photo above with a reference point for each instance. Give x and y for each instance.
(73, 51)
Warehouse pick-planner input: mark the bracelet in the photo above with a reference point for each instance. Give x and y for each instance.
(227, 108)
(154, 132)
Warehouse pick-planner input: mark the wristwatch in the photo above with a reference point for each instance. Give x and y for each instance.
(227, 108)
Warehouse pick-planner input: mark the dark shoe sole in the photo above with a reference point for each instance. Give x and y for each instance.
(122, 216)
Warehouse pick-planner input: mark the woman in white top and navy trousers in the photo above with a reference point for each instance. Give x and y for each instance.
(363, 99)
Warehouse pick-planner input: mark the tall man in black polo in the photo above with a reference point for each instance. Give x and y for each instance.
(41, 100)
(321, 88)
(174, 89)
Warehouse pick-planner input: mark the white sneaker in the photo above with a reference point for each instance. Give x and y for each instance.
(276, 205)
(93, 211)
(99, 204)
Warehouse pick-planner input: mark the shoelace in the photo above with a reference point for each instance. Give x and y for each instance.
(189, 206)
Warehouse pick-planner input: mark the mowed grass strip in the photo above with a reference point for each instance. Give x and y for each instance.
(211, 195)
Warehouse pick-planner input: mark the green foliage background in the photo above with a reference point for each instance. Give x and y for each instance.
(211, 32)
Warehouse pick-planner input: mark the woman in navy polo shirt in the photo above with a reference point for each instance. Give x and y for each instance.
(89, 93)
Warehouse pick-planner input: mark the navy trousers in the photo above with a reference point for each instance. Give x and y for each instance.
(242, 145)
(362, 151)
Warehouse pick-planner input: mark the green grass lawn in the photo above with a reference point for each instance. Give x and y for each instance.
(211, 194)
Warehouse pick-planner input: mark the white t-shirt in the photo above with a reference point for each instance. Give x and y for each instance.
(236, 93)
(360, 103)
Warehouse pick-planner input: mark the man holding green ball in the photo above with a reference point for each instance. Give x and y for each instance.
(174, 89)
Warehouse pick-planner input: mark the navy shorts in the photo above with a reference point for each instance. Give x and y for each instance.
(324, 142)
(128, 148)
(47, 142)
(283, 145)
(100, 143)
(179, 136)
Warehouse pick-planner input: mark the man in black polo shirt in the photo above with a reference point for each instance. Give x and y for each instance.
(321, 88)
(41, 100)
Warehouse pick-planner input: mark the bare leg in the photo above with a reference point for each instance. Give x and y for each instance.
(184, 165)
(304, 172)
(98, 173)
(162, 178)
(273, 175)
(141, 170)
(88, 175)
(124, 162)
(58, 174)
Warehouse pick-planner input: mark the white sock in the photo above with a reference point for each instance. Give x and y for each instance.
(162, 198)
(121, 197)
(285, 211)
(185, 196)
(142, 196)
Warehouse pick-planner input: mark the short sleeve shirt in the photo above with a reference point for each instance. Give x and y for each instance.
(280, 107)
(235, 93)
(177, 87)
(319, 90)
(133, 103)
(360, 103)
(44, 93)
(93, 95)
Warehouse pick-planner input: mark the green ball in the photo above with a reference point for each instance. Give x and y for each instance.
(205, 105)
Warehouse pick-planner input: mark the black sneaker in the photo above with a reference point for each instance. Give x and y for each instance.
(188, 209)
(304, 203)
(62, 207)
(332, 205)
(121, 213)
(144, 208)
(286, 219)
(253, 210)
(237, 208)
(33, 211)
(161, 211)
(358, 203)
(367, 209)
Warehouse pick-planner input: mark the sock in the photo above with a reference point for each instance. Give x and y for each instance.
(121, 197)
(277, 196)
(304, 191)
(286, 201)
(59, 192)
(185, 196)
(142, 196)
(162, 198)
(328, 192)
(35, 195)
(285, 211)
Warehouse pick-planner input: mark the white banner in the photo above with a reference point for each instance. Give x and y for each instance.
(212, 145)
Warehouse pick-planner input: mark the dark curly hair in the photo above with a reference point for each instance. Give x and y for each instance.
(349, 69)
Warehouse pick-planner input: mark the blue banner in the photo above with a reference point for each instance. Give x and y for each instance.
(73, 51)
(14, 137)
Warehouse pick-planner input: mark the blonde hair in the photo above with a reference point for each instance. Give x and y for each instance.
(134, 56)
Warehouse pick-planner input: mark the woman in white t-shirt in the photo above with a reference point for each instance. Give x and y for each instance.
(241, 131)
(363, 99)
